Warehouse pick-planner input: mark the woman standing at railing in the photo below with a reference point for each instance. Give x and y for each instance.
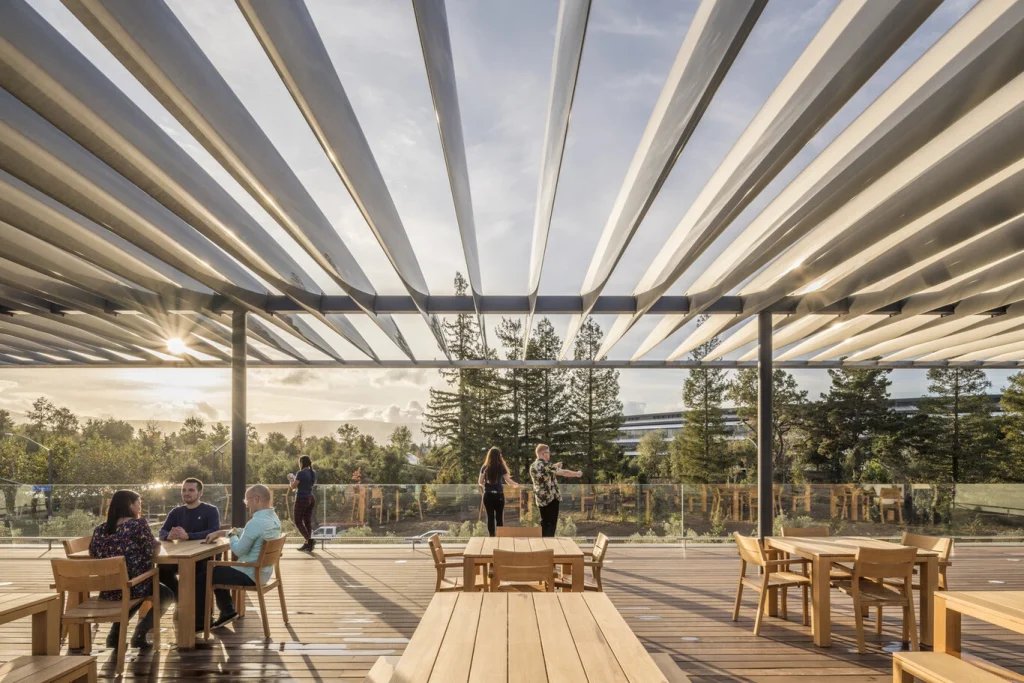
(492, 476)
(303, 482)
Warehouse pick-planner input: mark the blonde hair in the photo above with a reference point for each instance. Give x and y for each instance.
(541, 447)
(261, 492)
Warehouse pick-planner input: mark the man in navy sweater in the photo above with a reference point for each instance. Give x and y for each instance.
(193, 521)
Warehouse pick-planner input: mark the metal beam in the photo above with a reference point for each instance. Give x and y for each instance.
(239, 420)
(765, 432)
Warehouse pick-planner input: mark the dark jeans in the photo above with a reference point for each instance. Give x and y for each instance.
(302, 513)
(221, 575)
(548, 518)
(146, 623)
(494, 503)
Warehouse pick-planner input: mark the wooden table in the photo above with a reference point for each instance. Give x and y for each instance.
(535, 638)
(822, 552)
(44, 608)
(185, 554)
(1002, 608)
(480, 551)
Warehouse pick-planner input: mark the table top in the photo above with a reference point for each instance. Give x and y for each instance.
(15, 602)
(835, 547)
(485, 546)
(1004, 608)
(520, 637)
(172, 552)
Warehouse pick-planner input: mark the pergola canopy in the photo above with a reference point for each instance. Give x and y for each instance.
(899, 245)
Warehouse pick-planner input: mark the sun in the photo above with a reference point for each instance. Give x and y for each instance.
(176, 346)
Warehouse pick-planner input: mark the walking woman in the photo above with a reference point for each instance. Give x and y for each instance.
(127, 534)
(303, 483)
(493, 475)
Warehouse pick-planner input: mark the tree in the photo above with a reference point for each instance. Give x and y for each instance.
(6, 423)
(651, 459)
(595, 412)
(514, 422)
(700, 452)
(193, 430)
(964, 423)
(548, 410)
(787, 414)
(1012, 403)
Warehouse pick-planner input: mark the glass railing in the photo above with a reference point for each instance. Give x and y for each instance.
(656, 513)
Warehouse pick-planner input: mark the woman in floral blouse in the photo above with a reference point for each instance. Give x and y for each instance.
(127, 534)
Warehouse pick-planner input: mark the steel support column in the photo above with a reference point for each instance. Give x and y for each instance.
(764, 425)
(238, 418)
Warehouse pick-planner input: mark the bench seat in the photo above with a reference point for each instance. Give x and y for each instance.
(49, 669)
(938, 667)
(382, 670)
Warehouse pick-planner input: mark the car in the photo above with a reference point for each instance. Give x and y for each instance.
(325, 533)
(422, 538)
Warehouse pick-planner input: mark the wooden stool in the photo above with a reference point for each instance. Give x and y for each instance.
(55, 669)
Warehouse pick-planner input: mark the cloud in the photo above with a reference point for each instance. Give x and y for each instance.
(412, 412)
(7, 384)
(179, 410)
(634, 407)
(399, 376)
(299, 378)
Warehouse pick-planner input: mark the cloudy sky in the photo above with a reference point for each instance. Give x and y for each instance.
(502, 54)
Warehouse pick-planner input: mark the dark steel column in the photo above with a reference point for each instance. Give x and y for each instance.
(764, 424)
(238, 418)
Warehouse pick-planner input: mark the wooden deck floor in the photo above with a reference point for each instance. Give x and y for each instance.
(350, 605)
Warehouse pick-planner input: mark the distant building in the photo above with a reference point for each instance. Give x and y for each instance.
(635, 426)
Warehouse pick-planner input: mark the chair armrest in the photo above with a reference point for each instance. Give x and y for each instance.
(449, 565)
(228, 563)
(142, 577)
(785, 563)
(453, 553)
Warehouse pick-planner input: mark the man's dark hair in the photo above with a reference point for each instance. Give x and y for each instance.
(193, 480)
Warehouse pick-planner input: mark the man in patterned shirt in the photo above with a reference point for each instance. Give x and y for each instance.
(545, 488)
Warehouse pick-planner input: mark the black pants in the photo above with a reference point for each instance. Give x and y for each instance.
(302, 513)
(146, 623)
(549, 518)
(494, 503)
(221, 575)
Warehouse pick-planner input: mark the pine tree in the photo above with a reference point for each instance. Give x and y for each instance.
(546, 409)
(651, 460)
(700, 452)
(515, 439)
(595, 410)
(787, 414)
(1012, 403)
(963, 421)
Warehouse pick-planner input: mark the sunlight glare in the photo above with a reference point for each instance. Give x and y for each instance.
(176, 346)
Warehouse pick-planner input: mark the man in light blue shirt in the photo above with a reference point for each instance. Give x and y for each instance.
(246, 545)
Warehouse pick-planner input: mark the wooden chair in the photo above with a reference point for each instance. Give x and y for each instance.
(871, 567)
(76, 545)
(837, 572)
(377, 503)
(890, 500)
(518, 532)
(270, 556)
(529, 571)
(442, 564)
(776, 576)
(943, 546)
(89, 576)
(49, 669)
(595, 561)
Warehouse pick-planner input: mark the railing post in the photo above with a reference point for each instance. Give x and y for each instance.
(238, 418)
(765, 497)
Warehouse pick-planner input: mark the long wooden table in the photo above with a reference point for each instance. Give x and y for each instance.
(822, 552)
(44, 608)
(480, 551)
(1002, 608)
(524, 637)
(184, 554)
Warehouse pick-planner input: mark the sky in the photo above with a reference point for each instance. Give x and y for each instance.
(502, 56)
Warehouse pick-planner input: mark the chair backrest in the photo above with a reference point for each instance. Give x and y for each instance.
(534, 566)
(519, 532)
(943, 546)
(90, 576)
(435, 550)
(806, 531)
(884, 563)
(600, 548)
(750, 549)
(891, 495)
(271, 551)
(76, 545)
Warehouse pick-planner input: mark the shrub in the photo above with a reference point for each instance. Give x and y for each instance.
(566, 527)
(358, 532)
(649, 537)
(73, 524)
(784, 520)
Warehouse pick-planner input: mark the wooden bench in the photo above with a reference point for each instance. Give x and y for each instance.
(669, 668)
(382, 670)
(51, 669)
(938, 667)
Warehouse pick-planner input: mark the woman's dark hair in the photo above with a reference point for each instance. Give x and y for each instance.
(494, 466)
(120, 506)
(305, 462)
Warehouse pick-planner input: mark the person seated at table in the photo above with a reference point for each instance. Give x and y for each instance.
(246, 544)
(127, 534)
(191, 521)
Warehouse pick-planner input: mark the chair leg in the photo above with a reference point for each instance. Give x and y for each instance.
(803, 590)
(739, 595)
(762, 599)
(156, 614)
(910, 624)
(208, 605)
(858, 616)
(263, 611)
(785, 610)
(122, 644)
(280, 594)
(878, 620)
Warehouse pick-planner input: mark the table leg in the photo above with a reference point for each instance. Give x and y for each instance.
(821, 602)
(929, 582)
(577, 575)
(947, 627)
(469, 574)
(186, 606)
(46, 630)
